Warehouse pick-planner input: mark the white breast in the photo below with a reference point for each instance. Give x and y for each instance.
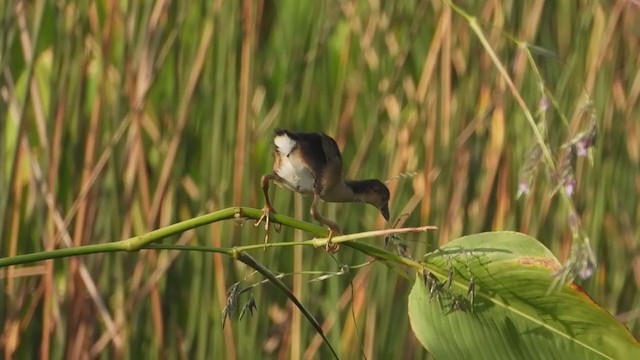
(295, 173)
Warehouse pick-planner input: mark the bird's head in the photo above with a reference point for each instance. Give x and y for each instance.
(373, 192)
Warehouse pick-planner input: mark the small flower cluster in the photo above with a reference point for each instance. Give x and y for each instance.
(582, 261)
(232, 303)
(529, 170)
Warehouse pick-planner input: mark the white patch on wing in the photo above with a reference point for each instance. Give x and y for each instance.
(284, 144)
(296, 174)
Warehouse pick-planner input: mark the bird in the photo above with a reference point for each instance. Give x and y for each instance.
(310, 163)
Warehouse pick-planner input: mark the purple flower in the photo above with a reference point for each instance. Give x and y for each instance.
(587, 270)
(524, 188)
(543, 105)
(582, 148)
(569, 186)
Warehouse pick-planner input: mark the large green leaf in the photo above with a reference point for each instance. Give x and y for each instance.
(512, 316)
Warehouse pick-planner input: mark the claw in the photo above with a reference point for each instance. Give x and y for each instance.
(332, 247)
(266, 218)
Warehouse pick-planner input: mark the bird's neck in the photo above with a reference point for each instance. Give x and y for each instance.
(360, 189)
(344, 191)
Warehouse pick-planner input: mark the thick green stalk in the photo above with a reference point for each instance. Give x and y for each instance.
(143, 241)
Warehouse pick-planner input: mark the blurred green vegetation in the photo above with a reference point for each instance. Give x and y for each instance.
(120, 117)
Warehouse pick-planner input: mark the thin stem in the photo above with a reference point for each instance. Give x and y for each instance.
(241, 213)
(61, 253)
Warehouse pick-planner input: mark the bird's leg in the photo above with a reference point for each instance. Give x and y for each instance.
(334, 229)
(268, 209)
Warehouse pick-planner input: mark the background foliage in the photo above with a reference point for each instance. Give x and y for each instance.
(120, 117)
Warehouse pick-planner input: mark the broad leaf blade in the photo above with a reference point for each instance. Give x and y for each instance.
(512, 316)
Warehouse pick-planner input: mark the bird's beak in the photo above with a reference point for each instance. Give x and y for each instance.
(384, 210)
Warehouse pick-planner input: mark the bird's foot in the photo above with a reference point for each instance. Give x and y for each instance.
(332, 247)
(267, 210)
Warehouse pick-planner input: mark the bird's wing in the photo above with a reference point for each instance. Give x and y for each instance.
(332, 172)
(331, 150)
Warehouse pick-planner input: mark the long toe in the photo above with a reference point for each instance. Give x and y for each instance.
(265, 214)
(265, 217)
(332, 247)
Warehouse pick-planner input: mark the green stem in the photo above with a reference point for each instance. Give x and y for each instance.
(241, 213)
(61, 253)
(137, 242)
